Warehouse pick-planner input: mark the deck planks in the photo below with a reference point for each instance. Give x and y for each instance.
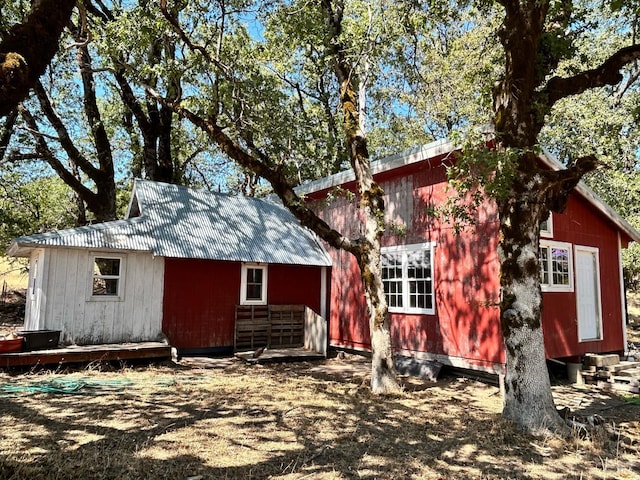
(87, 353)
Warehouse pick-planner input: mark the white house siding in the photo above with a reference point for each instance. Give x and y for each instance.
(66, 304)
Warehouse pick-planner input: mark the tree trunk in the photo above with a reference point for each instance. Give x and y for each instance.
(366, 248)
(528, 400)
(352, 94)
(383, 373)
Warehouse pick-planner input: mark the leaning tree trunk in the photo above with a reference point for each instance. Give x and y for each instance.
(528, 400)
(383, 373)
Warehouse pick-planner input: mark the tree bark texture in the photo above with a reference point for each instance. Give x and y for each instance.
(383, 373)
(522, 99)
(27, 48)
(528, 400)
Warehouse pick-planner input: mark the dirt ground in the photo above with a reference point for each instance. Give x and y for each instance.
(222, 419)
(633, 327)
(208, 419)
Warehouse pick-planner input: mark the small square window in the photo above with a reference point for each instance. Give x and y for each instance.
(546, 227)
(556, 267)
(106, 278)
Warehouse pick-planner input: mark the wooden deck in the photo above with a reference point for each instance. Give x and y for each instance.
(86, 354)
(299, 354)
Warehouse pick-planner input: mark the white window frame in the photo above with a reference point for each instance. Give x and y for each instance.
(551, 287)
(547, 232)
(120, 277)
(243, 284)
(405, 250)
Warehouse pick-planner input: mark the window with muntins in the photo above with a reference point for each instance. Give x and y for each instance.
(392, 278)
(106, 276)
(407, 276)
(253, 289)
(556, 266)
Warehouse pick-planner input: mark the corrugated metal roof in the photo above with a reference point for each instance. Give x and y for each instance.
(127, 234)
(181, 222)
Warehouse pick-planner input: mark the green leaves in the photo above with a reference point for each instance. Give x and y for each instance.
(32, 205)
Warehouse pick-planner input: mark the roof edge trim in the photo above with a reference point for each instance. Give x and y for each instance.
(592, 197)
(408, 157)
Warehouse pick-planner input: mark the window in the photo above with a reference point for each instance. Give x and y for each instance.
(546, 227)
(556, 266)
(107, 277)
(392, 278)
(253, 285)
(407, 276)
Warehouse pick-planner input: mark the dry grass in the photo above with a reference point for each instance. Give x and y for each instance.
(13, 273)
(13, 284)
(289, 421)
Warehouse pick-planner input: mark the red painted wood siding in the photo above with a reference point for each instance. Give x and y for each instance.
(199, 302)
(466, 274)
(465, 323)
(200, 298)
(294, 285)
(581, 225)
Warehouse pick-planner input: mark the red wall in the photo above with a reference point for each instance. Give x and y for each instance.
(465, 323)
(199, 302)
(466, 275)
(294, 285)
(200, 298)
(581, 225)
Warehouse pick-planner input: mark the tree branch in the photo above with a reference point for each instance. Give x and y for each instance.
(608, 73)
(27, 49)
(7, 132)
(561, 182)
(275, 176)
(90, 102)
(173, 21)
(63, 135)
(45, 152)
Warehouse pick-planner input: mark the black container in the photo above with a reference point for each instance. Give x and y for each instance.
(40, 339)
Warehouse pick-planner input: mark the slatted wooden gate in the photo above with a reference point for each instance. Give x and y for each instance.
(273, 326)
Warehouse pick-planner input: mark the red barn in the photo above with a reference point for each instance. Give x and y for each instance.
(442, 285)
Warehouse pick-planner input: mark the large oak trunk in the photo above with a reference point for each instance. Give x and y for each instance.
(528, 400)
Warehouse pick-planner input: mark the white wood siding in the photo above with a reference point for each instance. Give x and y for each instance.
(35, 299)
(134, 316)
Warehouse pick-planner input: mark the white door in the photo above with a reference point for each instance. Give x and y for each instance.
(588, 294)
(34, 294)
